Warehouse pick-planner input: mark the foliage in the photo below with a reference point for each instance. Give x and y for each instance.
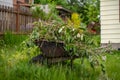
(75, 20)
(41, 1)
(92, 40)
(1, 42)
(88, 9)
(40, 14)
(57, 2)
(12, 39)
(91, 11)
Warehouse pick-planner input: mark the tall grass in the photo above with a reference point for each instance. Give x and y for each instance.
(37, 72)
(13, 39)
(14, 66)
(113, 65)
(14, 69)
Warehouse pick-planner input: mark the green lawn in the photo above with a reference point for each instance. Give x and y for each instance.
(113, 66)
(13, 68)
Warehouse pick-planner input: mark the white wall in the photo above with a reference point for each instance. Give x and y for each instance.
(6, 3)
(45, 8)
(110, 23)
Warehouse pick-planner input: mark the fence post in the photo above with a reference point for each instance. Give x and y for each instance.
(17, 17)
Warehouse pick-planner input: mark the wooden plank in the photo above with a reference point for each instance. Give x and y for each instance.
(106, 8)
(17, 19)
(110, 12)
(109, 2)
(110, 36)
(109, 17)
(110, 40)
(109, 26)
(103, 22)
(12, 20)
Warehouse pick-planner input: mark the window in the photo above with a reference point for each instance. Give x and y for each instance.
(26, 1)
(6, 3)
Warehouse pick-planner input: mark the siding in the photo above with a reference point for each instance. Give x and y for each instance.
(110, 24)
(6, 3)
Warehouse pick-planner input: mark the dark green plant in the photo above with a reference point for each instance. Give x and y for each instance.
(10, 38)
(2, 42)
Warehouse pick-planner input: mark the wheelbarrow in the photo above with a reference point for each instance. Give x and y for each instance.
(52, 52)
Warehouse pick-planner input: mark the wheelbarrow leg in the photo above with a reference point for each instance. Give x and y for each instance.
(71, 63)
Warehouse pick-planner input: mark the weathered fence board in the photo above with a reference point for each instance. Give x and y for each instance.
(17, 19)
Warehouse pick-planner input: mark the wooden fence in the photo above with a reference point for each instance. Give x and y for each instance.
(17, 19)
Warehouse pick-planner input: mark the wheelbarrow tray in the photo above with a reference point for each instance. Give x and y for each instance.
(52, 52)
(51, 48)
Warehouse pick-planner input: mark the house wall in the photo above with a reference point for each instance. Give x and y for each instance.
(110, 22)
(23, 1)
(6, 3)
(11, 2)
(15, 1)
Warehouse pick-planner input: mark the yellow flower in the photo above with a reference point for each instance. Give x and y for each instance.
(75, 20)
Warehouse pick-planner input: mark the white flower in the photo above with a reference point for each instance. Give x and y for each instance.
(104, 58)
(78, 35)
(60, 30)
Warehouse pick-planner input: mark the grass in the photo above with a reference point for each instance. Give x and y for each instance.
(12, 39)
(113, 65)
(14, 66)
(25, 71)
(10, 70)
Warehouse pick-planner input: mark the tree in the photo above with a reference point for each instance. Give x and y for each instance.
(88, 9)
(41, 1)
